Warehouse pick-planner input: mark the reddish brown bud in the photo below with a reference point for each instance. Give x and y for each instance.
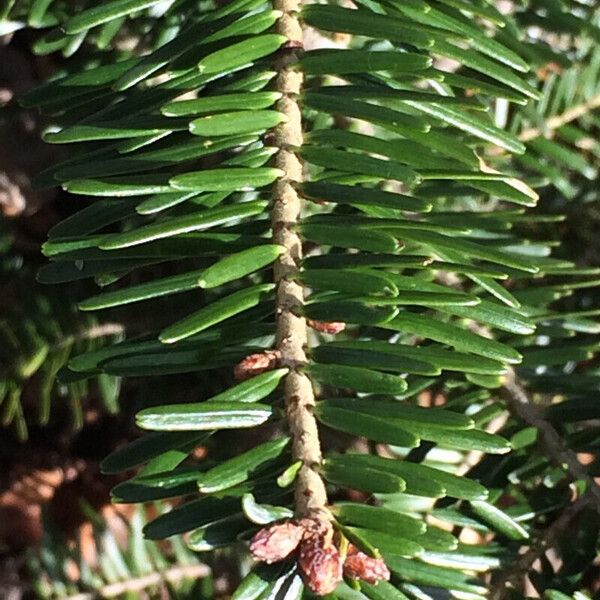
(323, 327)
(313, 526)
(319, 561)
(276, 542)
(321, 567)
(358, 565)
(255, 364)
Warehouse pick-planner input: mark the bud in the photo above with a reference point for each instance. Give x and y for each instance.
(277, 541)
(319, 561)
(315, 526)
(359, 565)
(255, 364)
(323, 327)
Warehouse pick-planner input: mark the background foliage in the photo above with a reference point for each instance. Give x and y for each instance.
(470, 351)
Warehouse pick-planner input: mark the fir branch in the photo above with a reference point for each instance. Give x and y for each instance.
(93, 332)
(97, 331)
(310, 494)
(538, 548)
(558, 121)
(172, 575)
(519, 403)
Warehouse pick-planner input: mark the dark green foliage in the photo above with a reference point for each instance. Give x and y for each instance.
(439, 153)
(40, 330)
(122, 562)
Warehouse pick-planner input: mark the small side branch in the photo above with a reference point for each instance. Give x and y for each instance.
(173, 575)
(559, 120)
(552, 443)
(515, 575)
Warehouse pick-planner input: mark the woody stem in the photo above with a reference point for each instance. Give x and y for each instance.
(291, 336)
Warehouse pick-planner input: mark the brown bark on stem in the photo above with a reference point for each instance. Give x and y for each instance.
(310, 494)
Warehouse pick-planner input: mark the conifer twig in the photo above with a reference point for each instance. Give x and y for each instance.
(518, 402)
(558, 121)
(519, 570)
(172, 575)
(554, 123)
(291, 337)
